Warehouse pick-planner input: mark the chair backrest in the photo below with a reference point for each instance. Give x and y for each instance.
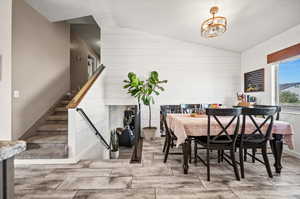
(176, 109)
(278, 109)
(223, 137)
(191, 108)
(164, 118)
(262, 131)
(171, 108)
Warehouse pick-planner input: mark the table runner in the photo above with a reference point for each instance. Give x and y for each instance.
(184, 125)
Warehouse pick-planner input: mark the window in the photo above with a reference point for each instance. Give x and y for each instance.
(288, 77)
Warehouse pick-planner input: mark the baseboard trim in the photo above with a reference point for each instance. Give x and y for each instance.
(74, 160)
(45, 161)
(89, 150)
(292, 153)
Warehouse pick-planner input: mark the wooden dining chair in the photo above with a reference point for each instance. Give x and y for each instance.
(165, 110)
(258, 138)
(170, 139)
(168, 135)
(222, 141)
(278, 111)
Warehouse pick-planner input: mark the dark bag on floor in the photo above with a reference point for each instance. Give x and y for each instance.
(126, 138)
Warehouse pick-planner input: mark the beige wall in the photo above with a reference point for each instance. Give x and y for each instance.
(79, 64)
(5, 71)
(40, 63)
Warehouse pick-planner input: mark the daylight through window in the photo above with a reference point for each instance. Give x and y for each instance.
(289, 84)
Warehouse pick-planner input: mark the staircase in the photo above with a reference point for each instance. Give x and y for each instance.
(50, 138)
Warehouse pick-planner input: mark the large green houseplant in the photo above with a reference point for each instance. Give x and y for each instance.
(145, 91)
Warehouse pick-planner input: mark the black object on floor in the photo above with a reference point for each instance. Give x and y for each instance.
(126, 137)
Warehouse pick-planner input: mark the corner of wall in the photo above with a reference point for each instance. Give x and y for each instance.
(6, 69)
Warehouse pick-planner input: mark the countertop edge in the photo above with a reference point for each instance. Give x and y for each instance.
(8, 149)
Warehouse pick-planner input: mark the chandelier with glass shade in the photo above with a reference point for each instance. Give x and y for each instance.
(214, 26)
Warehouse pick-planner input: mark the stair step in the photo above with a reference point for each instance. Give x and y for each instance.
(54, 151)
(68, 97)
(61, 109)
(57, 117)
(64, 102)
(51, 139)
(52, 132)
(47, 139)
(53, 127)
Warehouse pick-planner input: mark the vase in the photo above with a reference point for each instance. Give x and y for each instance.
(114, 154)
(149, 133)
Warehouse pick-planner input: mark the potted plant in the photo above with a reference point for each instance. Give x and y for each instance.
(134, 86)
(145, 91)
(114, 143)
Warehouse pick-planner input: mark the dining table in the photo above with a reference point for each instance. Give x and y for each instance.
(188, 126)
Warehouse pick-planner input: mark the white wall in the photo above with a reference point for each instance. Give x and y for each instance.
(83, 144)
(40, 64)
(196, 73)
(5, 69)
(116, 116)
(256, 58)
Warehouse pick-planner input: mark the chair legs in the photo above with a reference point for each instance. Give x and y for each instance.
(172, 144)
(234, 164)
(190, 150)
(245, 154)
(265, 157)
(165, 144)
(266, 160)
(220, 158)
(208, 164)
(220, 155)
(195, 152)
(167, 150)
(242, 162)
(253, 155)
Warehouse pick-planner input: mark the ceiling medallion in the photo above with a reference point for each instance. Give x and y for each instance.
(214, 26)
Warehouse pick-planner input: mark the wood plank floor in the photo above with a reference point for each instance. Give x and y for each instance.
(152, 179)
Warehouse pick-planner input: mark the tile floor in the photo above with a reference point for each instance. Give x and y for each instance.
(117, 179)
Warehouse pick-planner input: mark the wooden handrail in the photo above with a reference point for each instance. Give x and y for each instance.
(82, 92)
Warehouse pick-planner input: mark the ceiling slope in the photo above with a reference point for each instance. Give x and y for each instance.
(250, 22)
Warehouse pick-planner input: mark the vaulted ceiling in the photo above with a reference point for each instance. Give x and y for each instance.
(250, 22)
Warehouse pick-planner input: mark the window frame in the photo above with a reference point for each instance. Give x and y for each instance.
(276, 88)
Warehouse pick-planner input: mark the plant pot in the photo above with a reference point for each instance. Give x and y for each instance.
(149, 133)
(114, 154)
